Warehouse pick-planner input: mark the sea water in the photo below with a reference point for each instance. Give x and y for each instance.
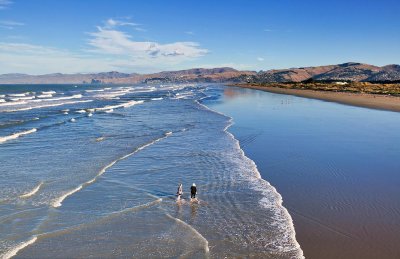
(93, 171)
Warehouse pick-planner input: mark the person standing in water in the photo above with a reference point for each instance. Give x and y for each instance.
(193, 191)
(180, 191)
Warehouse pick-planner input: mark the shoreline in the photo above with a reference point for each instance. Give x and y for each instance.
(379, 102)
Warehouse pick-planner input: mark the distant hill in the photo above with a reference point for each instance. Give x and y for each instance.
(351, 71)
(223, 74)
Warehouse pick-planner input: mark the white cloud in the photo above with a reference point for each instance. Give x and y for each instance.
(189, 32)
(6, 24)
(115, 42)
(260, 59)
(113, 23)
(4, 4)
(109, 49)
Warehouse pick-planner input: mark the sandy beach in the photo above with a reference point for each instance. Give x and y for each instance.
(381, 102)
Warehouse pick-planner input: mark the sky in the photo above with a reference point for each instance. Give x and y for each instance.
(73, 36)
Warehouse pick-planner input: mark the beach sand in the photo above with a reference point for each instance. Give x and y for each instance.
(381, 102)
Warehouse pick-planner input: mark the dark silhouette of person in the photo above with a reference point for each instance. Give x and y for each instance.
(193, 191)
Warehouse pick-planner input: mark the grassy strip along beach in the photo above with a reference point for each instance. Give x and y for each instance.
(370, 95)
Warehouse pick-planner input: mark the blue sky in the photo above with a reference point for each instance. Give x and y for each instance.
(48, 36)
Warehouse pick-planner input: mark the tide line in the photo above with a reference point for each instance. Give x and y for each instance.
(58, 202)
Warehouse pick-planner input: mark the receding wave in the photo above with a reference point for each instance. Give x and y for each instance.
(194, 231)
(58, 202)
(19, 247)
(31, 193)
(16, 135)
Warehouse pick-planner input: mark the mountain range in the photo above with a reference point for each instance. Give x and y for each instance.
(351, 71)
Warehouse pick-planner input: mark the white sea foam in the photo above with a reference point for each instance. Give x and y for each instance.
(110, 95)
(80, 111)
(22, 98)
(2, 101)
(32, 192)
(44, 96)
(19, 247)
(49, 92)
(124, 105)
(72, 120)
(90, 114)
(75, 96)
(156, 99)
(97, 90)
(47, 105)
(16, 135)
(18, 95)
(58, 202)
(109, 111)
(12, 103)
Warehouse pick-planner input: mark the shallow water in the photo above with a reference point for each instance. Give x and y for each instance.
(93, 171)
(336, 166)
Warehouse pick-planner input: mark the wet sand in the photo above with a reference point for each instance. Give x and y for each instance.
(381, 102)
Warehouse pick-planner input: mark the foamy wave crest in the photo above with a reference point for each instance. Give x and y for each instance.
(156, 99)
(18, 95)
(34, 190)
(124, 105)
(12, 103)
(75, 96)
(97, 90)
(47, 105)
(22, 98)
(110, 95)
(19, 247)
(49, 92)
(44, 96)
(58, 202)
(16, 135)
(2, 101)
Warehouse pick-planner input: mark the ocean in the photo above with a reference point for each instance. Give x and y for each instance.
(92, 171)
